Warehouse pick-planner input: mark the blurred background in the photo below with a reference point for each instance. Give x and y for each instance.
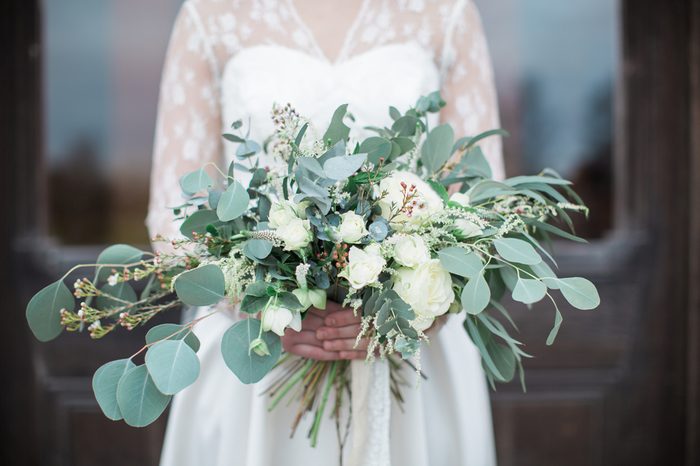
(606, 92)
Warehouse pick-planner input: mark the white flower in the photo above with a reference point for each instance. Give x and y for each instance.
(460, 198)
(427, 201)
(468, 228)
(276, 319)
(373, 248)
(113, 279)
(427, 289)
(352, 227)
(411, 251)
(296, 234)
(311, 297)
(283, 212)
(363, 268)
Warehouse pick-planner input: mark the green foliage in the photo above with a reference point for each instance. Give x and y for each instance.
(437, 148)
(460, 262)
(233, 202)
(529, 290)
(517, 250)
(202, 286)
(579, 292)
(343, 166)
(118, 254)
(247, 365)
(173, 365)
(406, 125)
(44, 310)
(376, 148)
(104, 385)
(199, 221)
(196, 181)
(173, 332)
(476, 294)
(139, 401)
(257, 249)
(115, 296)
(337, 130)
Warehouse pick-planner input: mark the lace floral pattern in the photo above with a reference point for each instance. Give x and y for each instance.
(209, 33)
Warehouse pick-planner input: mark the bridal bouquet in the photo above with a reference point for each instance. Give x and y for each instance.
(370, 223)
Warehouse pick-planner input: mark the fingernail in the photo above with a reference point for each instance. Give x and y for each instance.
(330, 322)
(327, 345)
(321, 334)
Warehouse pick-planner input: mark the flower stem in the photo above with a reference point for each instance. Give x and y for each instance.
(319, 412)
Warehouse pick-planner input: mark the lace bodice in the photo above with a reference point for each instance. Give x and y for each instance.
(231, 59)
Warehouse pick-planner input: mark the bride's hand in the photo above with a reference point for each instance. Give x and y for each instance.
(327, 335)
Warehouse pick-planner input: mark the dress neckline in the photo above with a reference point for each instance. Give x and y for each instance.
(345, 44)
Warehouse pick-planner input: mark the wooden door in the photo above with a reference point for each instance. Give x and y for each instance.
(620, 386)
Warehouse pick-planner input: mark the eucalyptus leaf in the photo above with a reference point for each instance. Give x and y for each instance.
(517, 250)
(202, 286)
(104, 385)
(115, 296)
(529, 290)
(478, 338)
(253, 304)
(44, 310)
(233, 202)
(579, 292)
(475, 294)
(199, 221)
(376, 148)
(257, 248)
(247, 148)
(518, 180)
(555, 329)
(247, 365)
(406, 125)
(343, 166)
(138, 399)
(337, 130)
(173, 332)
(195, 181)
(545, 272)
(173, 365)
(118, 254)
(460, 262)
(437, 147)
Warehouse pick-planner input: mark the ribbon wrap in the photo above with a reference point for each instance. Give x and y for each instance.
(371, 413)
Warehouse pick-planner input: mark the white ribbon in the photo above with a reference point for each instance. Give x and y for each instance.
(371, 414)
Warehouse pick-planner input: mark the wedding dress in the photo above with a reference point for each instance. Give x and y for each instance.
(232, 59)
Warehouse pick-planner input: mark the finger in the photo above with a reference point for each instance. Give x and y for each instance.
(314, 352)
(308, 337)
(346, 344)
(353, 354)
(342, 318)
(332, 333)
(311, 322)
(332, 306)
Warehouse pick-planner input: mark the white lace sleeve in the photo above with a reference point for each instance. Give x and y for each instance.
(468, 83)
(188, 130)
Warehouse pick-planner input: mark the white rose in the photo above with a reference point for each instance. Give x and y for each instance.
(468, 228)
(296, 234)
(373, 248)
(283, 212)
(427, 289)
(411, 251)
(352, 227)
(363, 268)
(460, 198)
(427, 201)
(276, 319)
